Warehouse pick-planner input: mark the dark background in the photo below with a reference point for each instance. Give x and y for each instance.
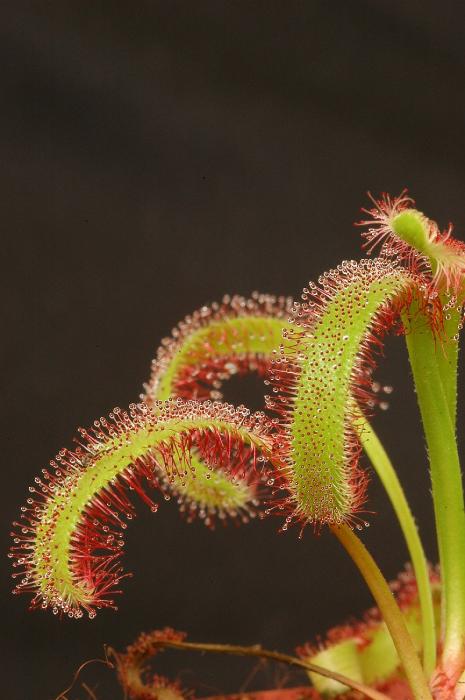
(155, 156)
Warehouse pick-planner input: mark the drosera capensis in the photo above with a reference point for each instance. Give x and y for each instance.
(208, 347)
(216, 460)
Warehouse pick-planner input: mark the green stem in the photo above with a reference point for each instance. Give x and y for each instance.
(388, 608)
(447, 353)
(435, 382)
(386, 472)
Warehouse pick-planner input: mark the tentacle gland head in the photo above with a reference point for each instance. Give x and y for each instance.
(320, 379)
(403, 232)
(235, 336)
(68, 541)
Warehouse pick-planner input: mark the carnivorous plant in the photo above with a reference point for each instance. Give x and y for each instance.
(298, 459)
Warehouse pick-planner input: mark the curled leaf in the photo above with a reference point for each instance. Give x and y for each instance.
(68, 542)
(403, 232)
(136, 680)
(236, 336)
(326, 367)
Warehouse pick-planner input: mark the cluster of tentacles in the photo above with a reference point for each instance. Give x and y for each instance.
(402, 233)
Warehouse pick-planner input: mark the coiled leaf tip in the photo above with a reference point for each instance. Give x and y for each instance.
(68, 541)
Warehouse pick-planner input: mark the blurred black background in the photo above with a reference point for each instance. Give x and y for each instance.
(156, 155)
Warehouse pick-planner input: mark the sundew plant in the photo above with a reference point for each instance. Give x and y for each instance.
(299, 459)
